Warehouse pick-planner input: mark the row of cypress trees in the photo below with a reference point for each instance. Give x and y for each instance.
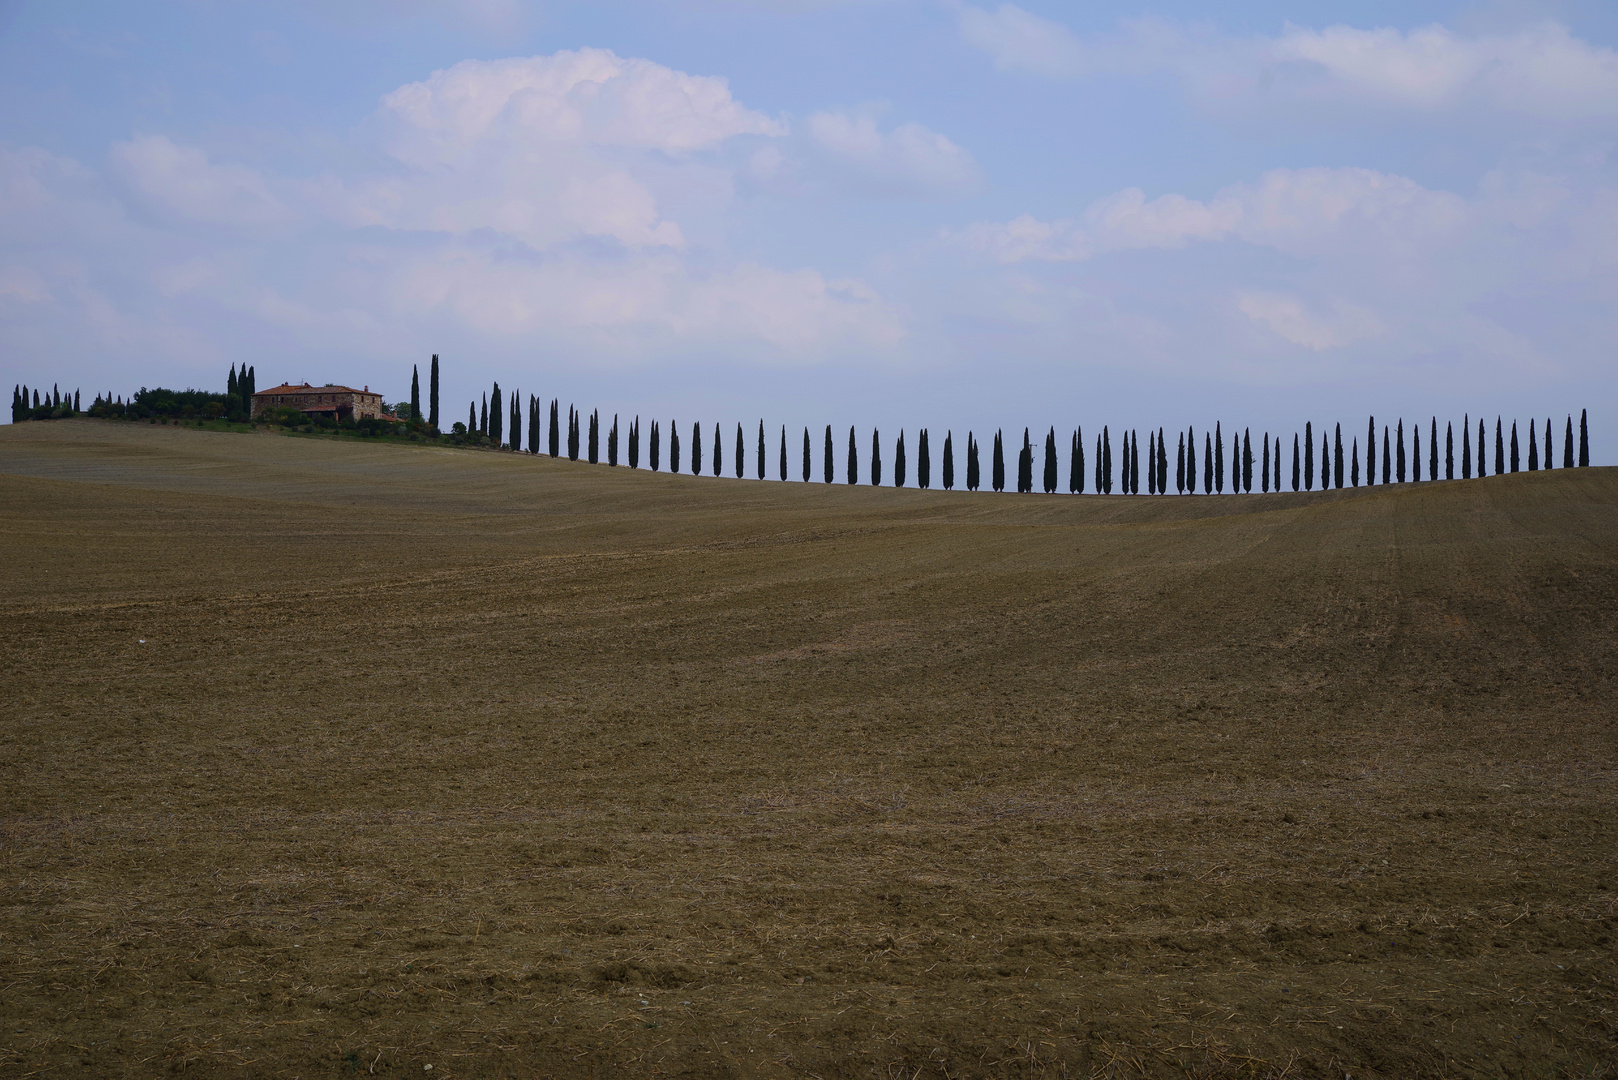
(47, 405)
(1336, 466)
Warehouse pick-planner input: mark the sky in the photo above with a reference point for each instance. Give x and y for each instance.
(956, 214)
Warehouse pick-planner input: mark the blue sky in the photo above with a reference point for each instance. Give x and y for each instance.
(896, 212)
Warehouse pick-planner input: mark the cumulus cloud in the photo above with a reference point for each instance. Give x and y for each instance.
(182, 182)
(1290, 319)
(1540, 71)
(908, 160)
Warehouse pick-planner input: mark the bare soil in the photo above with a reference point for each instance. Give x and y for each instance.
(320, 758)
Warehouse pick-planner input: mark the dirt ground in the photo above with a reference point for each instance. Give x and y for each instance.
(322, 759)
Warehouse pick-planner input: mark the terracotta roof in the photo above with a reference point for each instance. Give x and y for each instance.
(305, 388)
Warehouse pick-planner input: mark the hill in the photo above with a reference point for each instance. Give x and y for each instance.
(321, 757)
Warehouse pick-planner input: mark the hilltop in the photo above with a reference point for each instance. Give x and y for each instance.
(320, 756)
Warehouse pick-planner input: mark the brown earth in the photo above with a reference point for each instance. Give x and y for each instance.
(325, 758)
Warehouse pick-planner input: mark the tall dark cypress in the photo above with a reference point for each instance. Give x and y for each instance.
(853, 458)
(1399, 462)
(1499, 448)
(783, 453)
(634, 443)
(1100, 485)
(827, 469)
(1515, 459)
(534, 426)
(741, 452)
(1449, 450)
(1208, 463)
(555, 445)
(1134, 463)
(612, 442)
(1191, 460)
(1278, 463)
(496, 436)
(1264, 474)
(1415, 452)
(696, 449)
(514, 437)
(806, 455)
(949, 460)
(1337, 456)
(415, 394)
(1247, 459)
(252, 386)
(1483, 450)
(1308, 455)
(1584, 438)
(432, 395)
(232, 389)
(1151, 462)
(654, 446)
(1466, 447)
(1550, 445)
(1050, 462)
(1179, 465)
(718, 452)
(1025, 465)
(1162, 465)
(998, 475)
(876, 457)
(483, 416)
(1387, 457)
(1219, 457)
(471, 418)
(1567, 445)
(1123, 464)
(899, 460)
(1370, 453)
(1533, 446)
(924, 460)
(1235, 464)
(1295, 476)
(1354, 469)
(593, 454)
(1432, 449)
(761, 448)
(1325, 463)
(674, 446)
(974, 473)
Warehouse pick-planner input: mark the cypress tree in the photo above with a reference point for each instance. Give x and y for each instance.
(949, 460)
(1466, 447)
(1208, 463)
(1567, 444)
(1415, 452)
(516, 421)
(634, 443)
(1134, 463)
(612, 442)
(1533, 446)
(827, 469)
(806, 455)
(1050, 461)
(472, 418)
(1515, 459)
(718, 452)
(761, 448)
(998, 476)
(876, 457)
(1499, 448)
(1354, 472)
(1123, 464)
(1191, 460)
(974, 473)
(1399, 462)
(483, 416)
(1151, 462)
(783, 453)
(232, 390)
(555, 446)
(1432, 450)
(1337, 454)
(1449, 450)
(1325, 463)
(696, 449)
(1162, 465)
(1264, 473)
(1550, 446)
(899, 460)
(1387, 458)
(1235, 464)
(1100, 486)
(1025, 465)
(1308, 455)
(1247, 459)
(741, 451)
(1179, 466)
(534, 426)
(415, 393)
(1584, 438)
(1370, 453)
(674, 446)
(1295, 476)
(924, 460)
(432, 397)
(1219, 458)
(496, 436)
(853, 458)
(594, 448)
(252, 387)
(1483, 454)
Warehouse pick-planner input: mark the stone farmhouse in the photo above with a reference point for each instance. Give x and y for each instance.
(339, 402)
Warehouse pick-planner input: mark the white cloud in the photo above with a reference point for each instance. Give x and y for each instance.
(1290, 319)
(181, 182)
(1538, 71)
(909, 160)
